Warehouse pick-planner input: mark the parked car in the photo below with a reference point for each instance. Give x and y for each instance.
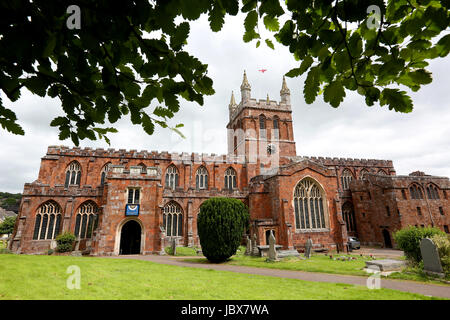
(354, 243)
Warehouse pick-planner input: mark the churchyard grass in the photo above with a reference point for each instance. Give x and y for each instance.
(45, 277)
(317, 263)
(323, 264)
(183, 251)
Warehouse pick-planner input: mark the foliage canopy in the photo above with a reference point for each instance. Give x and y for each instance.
(128, 54)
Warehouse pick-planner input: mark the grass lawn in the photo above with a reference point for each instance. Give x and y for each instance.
(44, 277)
(322, 263)
(183, 251)
(317, 263)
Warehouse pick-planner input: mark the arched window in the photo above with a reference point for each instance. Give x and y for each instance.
(362, 174)
(201, 178)
(416, 192)
(173, 220)
(73, 174)
(432, 192)
(310, 209)
(346, 178)
(48, 221)
(172, 177)
(105, 170)
(86, 220)
(230, 179)
(349, 216)
(143, 167)
(381, 171)
(262, 126)
(276, 128)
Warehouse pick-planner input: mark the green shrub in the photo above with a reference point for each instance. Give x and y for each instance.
(408, 240)
(65, 242)
(221, 223)
(442, 243)
(50, 252)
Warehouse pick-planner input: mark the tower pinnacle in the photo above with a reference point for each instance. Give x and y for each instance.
(245, 89)
(284, 88)
(285, 93)
(245, 84)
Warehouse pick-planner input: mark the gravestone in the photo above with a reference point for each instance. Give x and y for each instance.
(308, 247)
(248, 249)
(174, 246)
(431, 260)
(255, 251)
(272, 250)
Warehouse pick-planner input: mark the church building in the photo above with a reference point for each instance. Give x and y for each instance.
(135, 202)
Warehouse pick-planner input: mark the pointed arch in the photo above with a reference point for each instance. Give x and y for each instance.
(86, 220)
(348, 214)
(73, 174)
(381, 171)
(262, 126)
(143, 167)
(310, 205)
(230, 179)
(201, 178)
(416, 191)
(363, 173)
(48, 221)
(276, 128)
(346, 177)
(432, 192)
(106, 168)
(172, 177)
(173, 219)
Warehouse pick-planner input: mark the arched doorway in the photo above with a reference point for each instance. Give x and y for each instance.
(268, 235)
(348, 213)
(130, 238)
(387, 239)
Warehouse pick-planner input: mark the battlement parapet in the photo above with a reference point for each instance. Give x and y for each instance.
(54, 152)
(346, 162)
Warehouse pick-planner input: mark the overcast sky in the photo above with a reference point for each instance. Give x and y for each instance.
(416, 141)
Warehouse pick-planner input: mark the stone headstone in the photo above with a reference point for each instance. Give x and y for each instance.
(248, 249)
(308, 247)
(431, 260)
(255, 251)
(174, 246)
(272, 250)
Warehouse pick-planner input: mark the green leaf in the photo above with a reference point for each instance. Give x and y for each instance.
(179, 38)
(147, 124)
(306, 63)
(271, 23)
(270, 44)
(421, 76)
(334, 93)
(396, 99)
(216, 17)
(311, 88)
(37, 85)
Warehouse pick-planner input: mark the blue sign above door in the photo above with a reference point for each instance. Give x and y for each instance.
(132, 210)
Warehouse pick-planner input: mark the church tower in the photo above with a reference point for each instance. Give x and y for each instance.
(261, 129)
